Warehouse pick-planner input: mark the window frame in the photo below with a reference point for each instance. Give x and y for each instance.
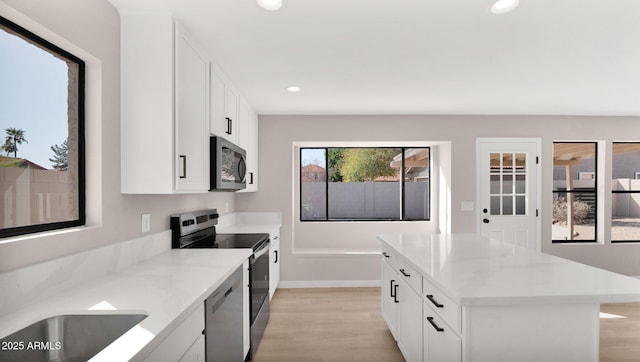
(594, 191)
(614, 192)
(326, 182)
(46, 45)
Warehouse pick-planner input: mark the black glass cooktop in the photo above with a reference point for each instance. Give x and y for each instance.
(224, 241)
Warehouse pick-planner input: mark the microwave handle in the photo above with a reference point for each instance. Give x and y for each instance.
(242, 169)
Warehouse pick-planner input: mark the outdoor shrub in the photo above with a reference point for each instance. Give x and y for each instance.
(580, 211)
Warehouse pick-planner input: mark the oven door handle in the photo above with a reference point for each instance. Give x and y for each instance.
(262, 250)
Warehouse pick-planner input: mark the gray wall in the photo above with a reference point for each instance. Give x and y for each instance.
(278, 133)
(91, 30)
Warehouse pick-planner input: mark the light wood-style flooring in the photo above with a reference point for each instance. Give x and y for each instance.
(345, 324)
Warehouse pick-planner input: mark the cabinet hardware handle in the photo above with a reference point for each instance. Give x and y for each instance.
(404, 273)
(395, 293)
(385, 254)
(435, 302)
(392, 289)
(434, 325)
(250, 178)
(228, 131)
(184, 166)
(276, 252)
(275, 238)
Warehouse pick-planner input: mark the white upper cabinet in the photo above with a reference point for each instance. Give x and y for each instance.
(192, 113)
(165, 107)
(248, 139)
(224, 120)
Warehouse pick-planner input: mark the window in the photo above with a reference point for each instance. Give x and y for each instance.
(625, 189)
(574, 191)
(359, 183)
(42, 119)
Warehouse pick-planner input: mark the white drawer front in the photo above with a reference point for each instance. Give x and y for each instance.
(444, 306)
(390, 256)
(441, 344)
(410, 275)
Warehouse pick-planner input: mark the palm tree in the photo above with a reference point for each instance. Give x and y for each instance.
(14, 138)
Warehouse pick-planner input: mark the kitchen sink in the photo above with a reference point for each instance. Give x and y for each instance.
(75, 337)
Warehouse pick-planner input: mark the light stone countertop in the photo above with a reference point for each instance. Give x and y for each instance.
(167, 287)
(478, 271)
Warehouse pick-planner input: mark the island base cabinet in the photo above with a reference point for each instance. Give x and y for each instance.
(441, 344)
(558, 332)
(389, 299)
(409, 322)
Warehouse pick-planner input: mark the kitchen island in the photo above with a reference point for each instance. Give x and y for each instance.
(483, 300)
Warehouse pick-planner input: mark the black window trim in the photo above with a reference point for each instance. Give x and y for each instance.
(29, 229)
(326, 182)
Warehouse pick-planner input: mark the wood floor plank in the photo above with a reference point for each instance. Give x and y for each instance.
(327, 324)
(345, 324)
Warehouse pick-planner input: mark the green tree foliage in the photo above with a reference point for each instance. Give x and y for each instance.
(60, 156)
(13, 138)
(365, 164)
(335, 160)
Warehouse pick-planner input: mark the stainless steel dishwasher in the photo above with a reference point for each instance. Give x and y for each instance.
(224, 321)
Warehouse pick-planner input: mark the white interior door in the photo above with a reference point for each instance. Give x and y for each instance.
(509, 190)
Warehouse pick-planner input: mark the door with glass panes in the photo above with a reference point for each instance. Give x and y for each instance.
(508, 190)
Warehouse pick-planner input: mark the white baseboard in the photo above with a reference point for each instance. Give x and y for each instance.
(329, 283)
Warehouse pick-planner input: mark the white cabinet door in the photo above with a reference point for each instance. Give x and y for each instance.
(164, 102)
(389, 299)
(224, 120)
(249, 141)
(176, 344)
(195, 353)
(441, 344)
(274, 262)
(409, 322)
(192, 114)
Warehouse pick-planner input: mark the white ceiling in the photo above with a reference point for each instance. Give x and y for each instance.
(560, 57)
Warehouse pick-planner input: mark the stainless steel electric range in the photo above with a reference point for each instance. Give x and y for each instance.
(197, 230)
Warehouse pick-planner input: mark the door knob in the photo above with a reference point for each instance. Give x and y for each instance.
(486, 221)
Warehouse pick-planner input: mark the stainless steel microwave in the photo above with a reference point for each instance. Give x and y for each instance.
(228, 165)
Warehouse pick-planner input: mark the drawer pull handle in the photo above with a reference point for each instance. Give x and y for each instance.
(435, 302)
(384, 253)
(434, 325)
(404, 273)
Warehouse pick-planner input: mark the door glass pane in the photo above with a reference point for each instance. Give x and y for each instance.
(494, 163)
(521, 162)
(495, 205)
(507, 184)
(495, 184)
(507, 160)
(521, 184)
(507, 205)
(521, 205)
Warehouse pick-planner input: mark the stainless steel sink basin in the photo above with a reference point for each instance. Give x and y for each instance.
(66, 337)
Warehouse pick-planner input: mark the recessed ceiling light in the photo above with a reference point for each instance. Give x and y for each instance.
(271, 5)
(504, 6)
(293, 89)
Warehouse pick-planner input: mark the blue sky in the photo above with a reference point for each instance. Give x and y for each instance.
(313, 156)
(33, 97)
